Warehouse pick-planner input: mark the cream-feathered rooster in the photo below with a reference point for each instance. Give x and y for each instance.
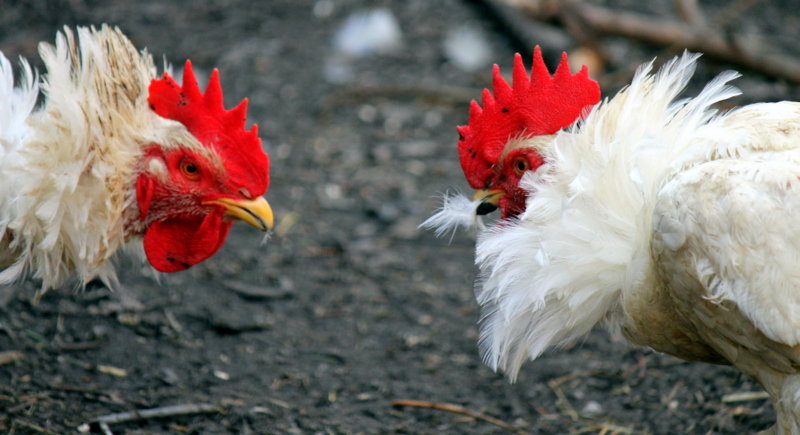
(114, 155)
(659, 216)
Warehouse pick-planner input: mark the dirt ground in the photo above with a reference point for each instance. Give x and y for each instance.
(349, 306)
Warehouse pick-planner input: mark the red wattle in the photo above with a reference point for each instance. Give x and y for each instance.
(176, 244)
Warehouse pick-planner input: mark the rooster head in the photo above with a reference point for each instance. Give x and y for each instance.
(496, 147)
(189, 196)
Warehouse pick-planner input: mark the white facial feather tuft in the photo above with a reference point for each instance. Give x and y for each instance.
(157, 168)
(457, 211)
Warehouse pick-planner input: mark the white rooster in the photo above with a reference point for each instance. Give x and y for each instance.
(115, 156)
(660, 217)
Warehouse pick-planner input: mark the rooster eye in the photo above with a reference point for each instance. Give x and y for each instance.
(190, 170)
(521, 165)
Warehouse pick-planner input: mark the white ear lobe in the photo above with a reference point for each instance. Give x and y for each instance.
(157, 168)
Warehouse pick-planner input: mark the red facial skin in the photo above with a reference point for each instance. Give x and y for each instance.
(181, 230)
(507, 175)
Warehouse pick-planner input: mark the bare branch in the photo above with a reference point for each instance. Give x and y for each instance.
(666, 34)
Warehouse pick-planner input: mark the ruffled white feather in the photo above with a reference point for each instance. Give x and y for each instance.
(67, 176)
(457, 211)
(583, 242)
(17, 104)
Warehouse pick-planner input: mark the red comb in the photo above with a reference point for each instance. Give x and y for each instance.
(535, 105)
(205, 116)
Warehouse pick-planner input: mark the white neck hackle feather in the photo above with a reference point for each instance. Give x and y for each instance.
(68, 169)
(566, 264)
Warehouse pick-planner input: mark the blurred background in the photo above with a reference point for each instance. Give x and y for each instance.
(350, 307)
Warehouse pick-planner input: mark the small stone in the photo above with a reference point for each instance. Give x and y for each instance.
(592, 408)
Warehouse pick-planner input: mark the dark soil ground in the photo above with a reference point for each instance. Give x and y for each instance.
(349, 306)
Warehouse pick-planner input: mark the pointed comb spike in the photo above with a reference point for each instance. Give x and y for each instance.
(487, 99)
(190, 87)
(213, 95)
(463, 131)
(520, 74)
(502, 91)
(562, 71)
(475, 111)
(238, 115)
(539, 71)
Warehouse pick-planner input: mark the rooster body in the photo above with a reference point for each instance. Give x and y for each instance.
(664, 220)
(69, 170)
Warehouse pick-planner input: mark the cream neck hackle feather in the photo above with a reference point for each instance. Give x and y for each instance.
(567, 263)
(68, 168)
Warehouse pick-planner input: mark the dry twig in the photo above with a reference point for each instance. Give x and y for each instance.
(30, 427)
(166, 411)
(252, 291)
(563, 402)
(606, 428)
(745, 396)
(78, 346)
(105, 429)
(458, 410)
(10, 356)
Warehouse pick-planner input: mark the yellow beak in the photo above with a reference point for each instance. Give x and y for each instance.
(489, 198)
(255, 212)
